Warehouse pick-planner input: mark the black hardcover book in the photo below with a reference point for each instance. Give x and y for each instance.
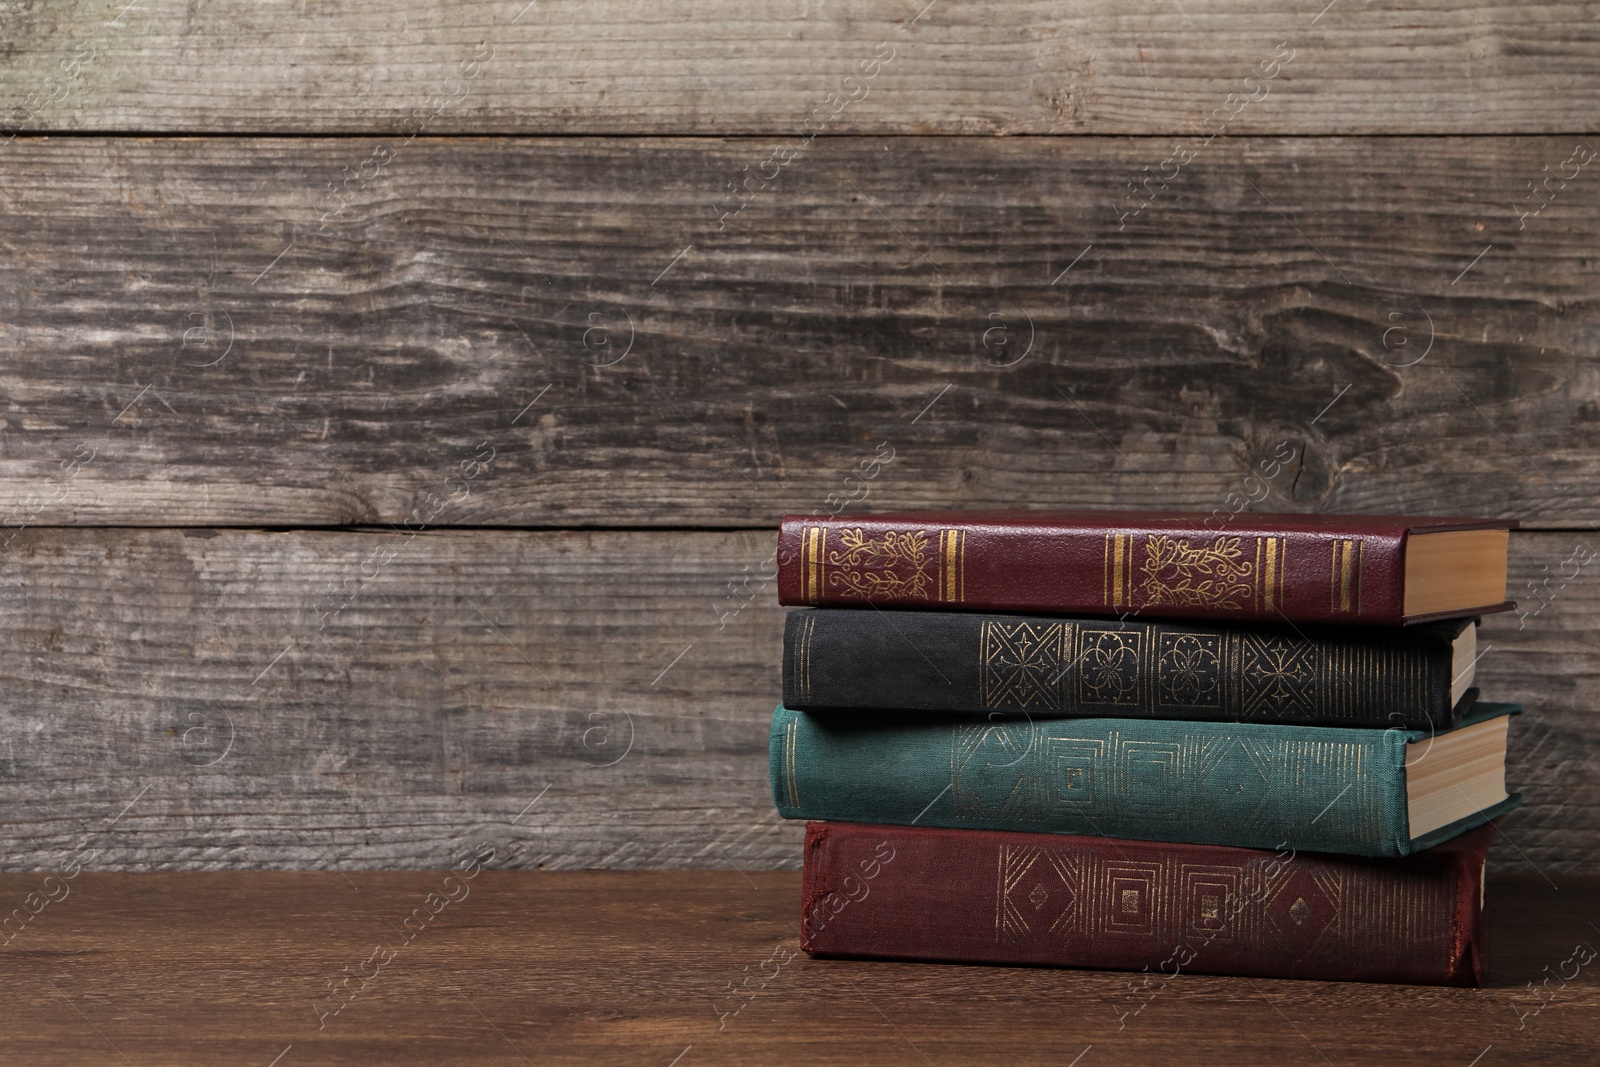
(1416, 678)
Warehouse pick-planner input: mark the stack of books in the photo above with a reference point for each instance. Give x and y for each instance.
(1135, 741)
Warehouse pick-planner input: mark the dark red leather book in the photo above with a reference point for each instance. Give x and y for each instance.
(1373, 569)
(978, 896)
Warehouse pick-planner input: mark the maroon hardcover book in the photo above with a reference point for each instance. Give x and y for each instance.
(1372, 569)
(977, 896)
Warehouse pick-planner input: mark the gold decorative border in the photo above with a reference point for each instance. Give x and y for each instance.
(953, 552)
(802, 657)
(791, 742)
(1117, 588)
(1345, 571)
(1271, 565)
(813, 539)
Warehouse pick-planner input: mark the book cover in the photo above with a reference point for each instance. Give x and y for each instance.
(1273, 567)
(1252, 785)
(1162, 909)
(1061, 667)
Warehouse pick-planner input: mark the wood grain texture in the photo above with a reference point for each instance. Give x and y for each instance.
(569, 968)
(718, 66)
(508, 687)
(191, 699)
(197, 332)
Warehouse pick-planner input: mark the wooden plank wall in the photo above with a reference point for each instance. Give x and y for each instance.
(595, 292)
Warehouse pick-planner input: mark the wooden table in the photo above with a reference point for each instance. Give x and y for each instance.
(577, 967)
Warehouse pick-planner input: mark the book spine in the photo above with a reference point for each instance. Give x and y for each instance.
(1313, 788)
(1161, 909)
(1051, 667)
(1242, 573)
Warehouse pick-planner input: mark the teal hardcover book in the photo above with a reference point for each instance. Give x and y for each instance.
(1254, 785)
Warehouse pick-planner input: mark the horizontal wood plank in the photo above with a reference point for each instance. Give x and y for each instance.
(563, 332)
(638, 967)
(219, 699)
(719, 66)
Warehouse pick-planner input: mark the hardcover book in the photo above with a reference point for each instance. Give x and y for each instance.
(1375, 569)
(1416, 678)
(973, 896)
(1253, 785)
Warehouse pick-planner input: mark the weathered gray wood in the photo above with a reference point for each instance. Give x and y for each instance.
(478, 682)
(183, 345)
(1545, 656)
(470, 673)
(720, 66)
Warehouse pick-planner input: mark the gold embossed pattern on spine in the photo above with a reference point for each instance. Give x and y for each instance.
(1078, 896)
(1039, 893)
(1251, 672)
(1215, 575)
(894, 565)
(1058, 772)
(1024, 665)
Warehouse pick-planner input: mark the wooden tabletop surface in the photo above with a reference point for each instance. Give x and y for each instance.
(290, 969)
